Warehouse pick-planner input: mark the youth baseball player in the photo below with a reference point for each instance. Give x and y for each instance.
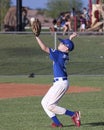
(60, 83)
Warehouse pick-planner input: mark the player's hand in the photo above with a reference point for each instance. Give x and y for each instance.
(73, 35)
(36, 26)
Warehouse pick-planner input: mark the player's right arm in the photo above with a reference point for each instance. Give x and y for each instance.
(73, 35)
(42, 45)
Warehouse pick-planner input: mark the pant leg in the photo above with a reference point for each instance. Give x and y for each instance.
(52, 97)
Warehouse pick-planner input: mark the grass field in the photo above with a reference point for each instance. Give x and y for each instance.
(20, 56)
(27, 113)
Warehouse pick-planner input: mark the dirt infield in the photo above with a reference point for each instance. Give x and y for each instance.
(12, 90)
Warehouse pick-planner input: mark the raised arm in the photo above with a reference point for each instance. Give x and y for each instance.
(42, 45)
(73, 35)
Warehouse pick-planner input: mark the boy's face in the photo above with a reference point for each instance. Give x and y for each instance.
(63, 48)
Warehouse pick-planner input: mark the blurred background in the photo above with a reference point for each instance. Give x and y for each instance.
(15, 15)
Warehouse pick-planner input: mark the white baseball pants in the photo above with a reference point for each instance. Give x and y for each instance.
(52, 97)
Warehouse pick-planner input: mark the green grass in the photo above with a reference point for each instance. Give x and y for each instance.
(20, 55)
(27, 113)
(93, 81)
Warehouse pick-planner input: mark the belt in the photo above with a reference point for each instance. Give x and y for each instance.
(59, 79)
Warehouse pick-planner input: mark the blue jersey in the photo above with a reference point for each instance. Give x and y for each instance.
(59, 62)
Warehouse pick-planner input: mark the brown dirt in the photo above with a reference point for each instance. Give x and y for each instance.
(12, 90)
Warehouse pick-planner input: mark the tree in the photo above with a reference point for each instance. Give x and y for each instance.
(4, 6)
(56, 6)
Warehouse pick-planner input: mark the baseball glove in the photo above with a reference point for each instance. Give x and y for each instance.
(36, 27)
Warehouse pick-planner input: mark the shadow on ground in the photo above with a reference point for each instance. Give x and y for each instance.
(93, 124)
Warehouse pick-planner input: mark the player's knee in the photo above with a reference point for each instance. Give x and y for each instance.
(51, 107)
(43, 102)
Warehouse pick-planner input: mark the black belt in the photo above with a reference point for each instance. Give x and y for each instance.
(57, 79)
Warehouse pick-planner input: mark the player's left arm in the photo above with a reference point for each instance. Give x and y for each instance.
(42, 45)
